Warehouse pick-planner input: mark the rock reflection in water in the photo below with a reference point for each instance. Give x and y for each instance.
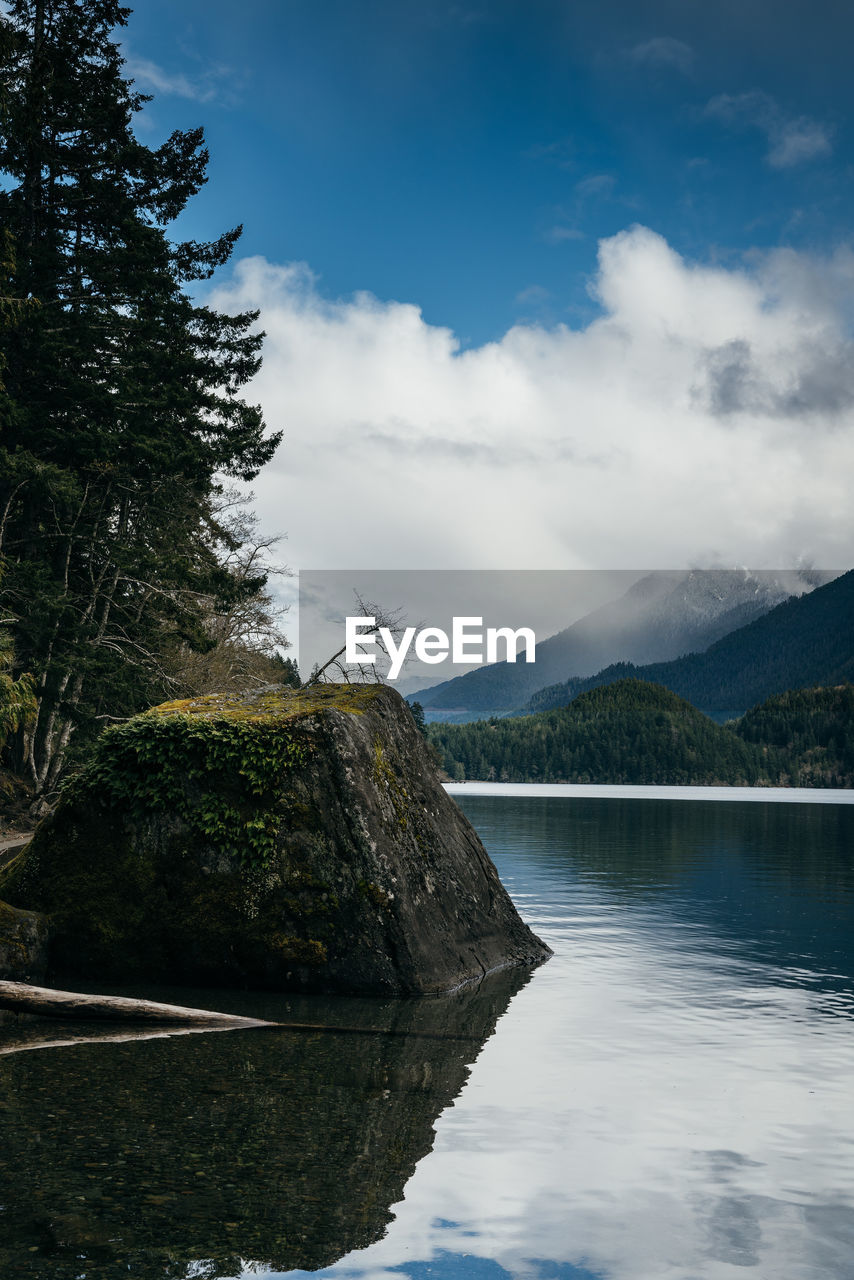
(183, 1155)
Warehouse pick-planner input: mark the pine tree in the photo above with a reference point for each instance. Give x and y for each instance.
(122, 401)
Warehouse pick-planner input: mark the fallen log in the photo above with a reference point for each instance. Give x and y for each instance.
(20, 997)
(45, 1002)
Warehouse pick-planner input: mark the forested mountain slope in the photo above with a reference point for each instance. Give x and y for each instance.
(631, 732)
(812, 728)
(805, 642)
(636, 732)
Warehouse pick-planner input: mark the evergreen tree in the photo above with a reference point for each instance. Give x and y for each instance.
(418, 716)
(122, 400)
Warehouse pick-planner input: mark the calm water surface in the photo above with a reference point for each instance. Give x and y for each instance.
(671, 1097)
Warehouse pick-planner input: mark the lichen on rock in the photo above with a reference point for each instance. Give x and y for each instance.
(293, 839)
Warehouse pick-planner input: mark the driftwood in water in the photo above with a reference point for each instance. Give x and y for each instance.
(32, 1038)
(20, 997)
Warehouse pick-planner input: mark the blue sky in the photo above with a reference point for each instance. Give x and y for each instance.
(545, 285)
(467, 156)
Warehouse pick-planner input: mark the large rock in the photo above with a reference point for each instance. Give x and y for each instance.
(294, 840)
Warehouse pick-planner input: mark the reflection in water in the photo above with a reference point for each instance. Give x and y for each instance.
(669, 1098)
(135, 1158)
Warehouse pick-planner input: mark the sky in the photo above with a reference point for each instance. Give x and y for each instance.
(547, 285)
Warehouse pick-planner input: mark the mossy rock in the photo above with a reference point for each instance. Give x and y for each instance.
(23, 945)
(287, 839)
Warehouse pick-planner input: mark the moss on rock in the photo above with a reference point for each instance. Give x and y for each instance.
(290, 839)
(23, 945)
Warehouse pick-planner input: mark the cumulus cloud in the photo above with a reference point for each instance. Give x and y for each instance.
(664, 51)
(792, 140)
(705, 414)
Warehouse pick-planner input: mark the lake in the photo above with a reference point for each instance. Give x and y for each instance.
(670, 1097)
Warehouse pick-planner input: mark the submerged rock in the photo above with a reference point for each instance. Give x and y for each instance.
(288, 839)
(23, 945)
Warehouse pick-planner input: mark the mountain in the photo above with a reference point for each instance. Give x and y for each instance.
(812, 728)
(415, 685)
(641, 733)
(805, 642)
(661, 616)
(631, 732)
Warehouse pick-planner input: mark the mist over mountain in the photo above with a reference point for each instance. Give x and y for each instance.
(662, 616)
(805, 642)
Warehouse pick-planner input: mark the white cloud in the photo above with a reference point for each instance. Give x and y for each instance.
(797, 141)
(560, 152)
(664, 51)
(706, 414)
(596, 185)
(213, 83)
(560, 232)
(533, 295)
(792, 140)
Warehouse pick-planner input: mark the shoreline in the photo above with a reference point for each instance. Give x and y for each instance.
(640, 791)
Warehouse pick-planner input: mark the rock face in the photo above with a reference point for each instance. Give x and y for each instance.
(23, 945)
(293, 840)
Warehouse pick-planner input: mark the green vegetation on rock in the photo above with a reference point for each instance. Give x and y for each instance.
(23, 945)
(154, 764)
(216, 763)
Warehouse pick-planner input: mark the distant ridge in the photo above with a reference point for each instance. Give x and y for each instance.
(663, 615)
(805, 642)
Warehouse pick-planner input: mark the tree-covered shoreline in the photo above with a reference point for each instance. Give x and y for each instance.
(636, 732)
